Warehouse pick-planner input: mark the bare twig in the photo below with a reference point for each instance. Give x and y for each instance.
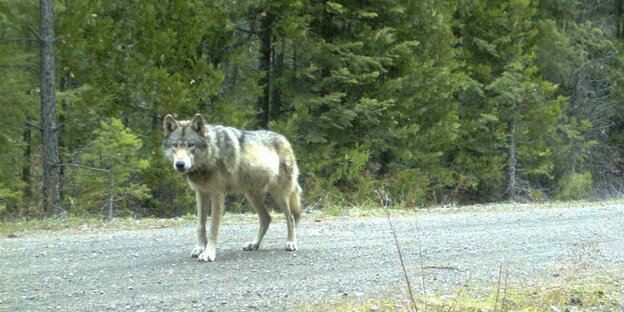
(422, 269)
(498, 286)
(455, 300)
(459, 294)
(555, 309)
(316, 204)
(504, 302)
(498, 283)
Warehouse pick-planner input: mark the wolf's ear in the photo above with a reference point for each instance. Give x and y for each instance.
(198, 124)
(170, 124)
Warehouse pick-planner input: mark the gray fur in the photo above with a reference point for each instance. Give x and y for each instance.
(218, 161)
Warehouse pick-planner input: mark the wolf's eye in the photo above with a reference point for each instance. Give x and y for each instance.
(191, 145)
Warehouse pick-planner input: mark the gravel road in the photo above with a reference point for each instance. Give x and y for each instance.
(353, 258)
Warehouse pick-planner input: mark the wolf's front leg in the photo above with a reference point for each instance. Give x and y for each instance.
(215, 222)
(203, 206)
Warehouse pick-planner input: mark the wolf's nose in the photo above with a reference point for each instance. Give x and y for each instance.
(179, 165)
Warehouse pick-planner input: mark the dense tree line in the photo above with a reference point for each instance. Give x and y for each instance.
(418, 102)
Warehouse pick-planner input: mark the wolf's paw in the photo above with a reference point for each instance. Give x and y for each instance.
(251, 246)
(291, 246)
(207, 255)
(197, 251)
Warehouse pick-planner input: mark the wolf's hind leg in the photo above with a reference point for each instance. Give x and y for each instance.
(283, 201)
(257, 201)
(203, 206)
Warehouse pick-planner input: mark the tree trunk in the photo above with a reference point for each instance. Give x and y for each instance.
(111, 200)
(66, 85)
(49, 136)
(26, 136)
(276, 92)
(266, 25)
(619, 18)
(512, 162)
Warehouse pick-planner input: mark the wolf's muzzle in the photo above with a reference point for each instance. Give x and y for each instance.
(179, 165)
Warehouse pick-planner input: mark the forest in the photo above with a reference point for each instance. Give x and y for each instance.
(409, 103)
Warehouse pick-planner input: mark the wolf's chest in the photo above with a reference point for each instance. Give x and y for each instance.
(211, 181)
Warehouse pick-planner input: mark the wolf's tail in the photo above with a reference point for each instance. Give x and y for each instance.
(295, 203)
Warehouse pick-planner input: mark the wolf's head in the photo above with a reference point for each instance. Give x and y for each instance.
(185, 142)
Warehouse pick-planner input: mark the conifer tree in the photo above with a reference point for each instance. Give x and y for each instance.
(109, 171)
(510, 109)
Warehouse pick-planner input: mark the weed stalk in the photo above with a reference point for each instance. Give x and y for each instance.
(384, 202)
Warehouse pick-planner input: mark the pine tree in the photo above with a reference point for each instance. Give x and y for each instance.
(137, 61)
(19, 106)
(578, 50)
(510, 109)
(355, 98)
(109, 171)
(531, 112)
(438, 101)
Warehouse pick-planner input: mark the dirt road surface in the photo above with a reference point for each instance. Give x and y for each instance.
(339, 258)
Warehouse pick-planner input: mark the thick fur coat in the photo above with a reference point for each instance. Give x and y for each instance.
(218, 161)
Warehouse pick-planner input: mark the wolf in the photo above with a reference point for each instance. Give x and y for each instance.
(218, 160)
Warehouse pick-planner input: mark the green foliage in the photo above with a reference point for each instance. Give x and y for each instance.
(9, 198)
(574, 186)
(110, 168)
(366, 107)
(407, 187)
(430, 101)
(18, 102)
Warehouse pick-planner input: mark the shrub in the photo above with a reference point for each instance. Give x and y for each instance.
(574, 186)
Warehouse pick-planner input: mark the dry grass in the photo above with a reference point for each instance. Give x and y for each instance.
(589, 293)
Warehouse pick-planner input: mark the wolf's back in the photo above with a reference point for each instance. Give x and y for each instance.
(275, 142)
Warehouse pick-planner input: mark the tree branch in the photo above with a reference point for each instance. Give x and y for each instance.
(84, 167)
(59, 126)
(4, 41)
(247, 31)
(26, 66)
(30, 124)
(34, 32)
